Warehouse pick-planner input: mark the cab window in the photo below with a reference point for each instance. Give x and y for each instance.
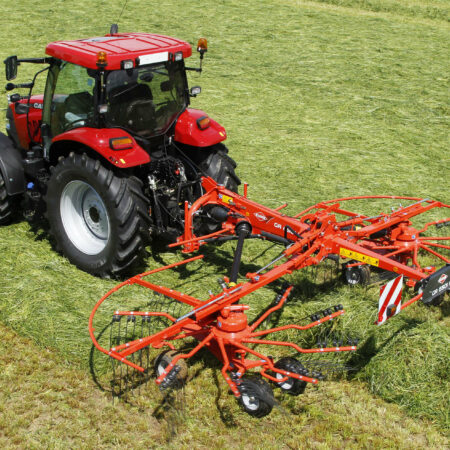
(73, 99)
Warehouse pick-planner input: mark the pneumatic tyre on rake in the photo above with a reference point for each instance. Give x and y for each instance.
(5, 203)
(256, 396)
(356, 275)
(163, 360)
(291, 386)
(96, 218)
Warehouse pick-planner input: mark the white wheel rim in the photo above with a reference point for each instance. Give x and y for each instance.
(286, 384)
(352, 276)
(84, 217)
(250, 402)
(160, 369)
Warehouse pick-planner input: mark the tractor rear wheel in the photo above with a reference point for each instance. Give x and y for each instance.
(96, 218)
(5, 203)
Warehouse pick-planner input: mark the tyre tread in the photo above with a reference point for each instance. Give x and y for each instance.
(128, 207)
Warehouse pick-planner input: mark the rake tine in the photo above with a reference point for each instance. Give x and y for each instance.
(141, 350)
(113, 362)
(133, 355)
(126, 338)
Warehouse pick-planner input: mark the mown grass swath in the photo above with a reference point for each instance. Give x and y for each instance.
(320, 100)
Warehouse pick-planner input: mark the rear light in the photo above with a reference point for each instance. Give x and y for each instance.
(127, 64)
(122, 143)
(203, 123)
(178, 56)
(101, 59)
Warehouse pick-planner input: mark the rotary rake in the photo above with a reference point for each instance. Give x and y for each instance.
(387, 242)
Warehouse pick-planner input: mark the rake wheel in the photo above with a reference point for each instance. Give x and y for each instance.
(291, 386)
(355, 275)
(256, 398)
(180, 371)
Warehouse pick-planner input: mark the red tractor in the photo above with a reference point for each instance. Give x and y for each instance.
(111, 151)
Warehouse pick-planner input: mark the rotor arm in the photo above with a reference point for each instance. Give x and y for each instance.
(375, 259)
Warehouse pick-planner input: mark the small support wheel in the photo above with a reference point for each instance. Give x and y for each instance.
(180, 371)
(257, 398)
(291, 386)
(356, 274)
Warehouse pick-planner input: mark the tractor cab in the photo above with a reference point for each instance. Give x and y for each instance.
(135, 82)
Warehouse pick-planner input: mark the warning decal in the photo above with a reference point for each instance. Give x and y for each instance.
(345, 253)
(225, 198)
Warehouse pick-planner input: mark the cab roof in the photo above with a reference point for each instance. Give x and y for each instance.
(118, 47)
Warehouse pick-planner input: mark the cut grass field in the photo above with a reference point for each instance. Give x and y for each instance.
(320, 100)
(46, 402)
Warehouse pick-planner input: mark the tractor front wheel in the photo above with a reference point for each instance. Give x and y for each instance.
(436, 301)
(215, 162)
(96, 218)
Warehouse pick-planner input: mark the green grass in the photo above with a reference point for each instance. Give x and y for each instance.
(320, 100)
(47, 403)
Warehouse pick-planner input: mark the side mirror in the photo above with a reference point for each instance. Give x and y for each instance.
(11, 67)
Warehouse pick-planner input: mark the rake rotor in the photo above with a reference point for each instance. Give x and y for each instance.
(387, 242)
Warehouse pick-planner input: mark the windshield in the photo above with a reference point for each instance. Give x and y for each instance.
(146, 100)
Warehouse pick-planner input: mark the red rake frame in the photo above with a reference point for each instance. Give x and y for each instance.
(220, 325)
(386, 241)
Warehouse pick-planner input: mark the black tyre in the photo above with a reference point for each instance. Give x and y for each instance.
(256, 396)
(356, 274)
(163, 360)
(215, 162)
(98, 219)
(5, 203)
(291, 386)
